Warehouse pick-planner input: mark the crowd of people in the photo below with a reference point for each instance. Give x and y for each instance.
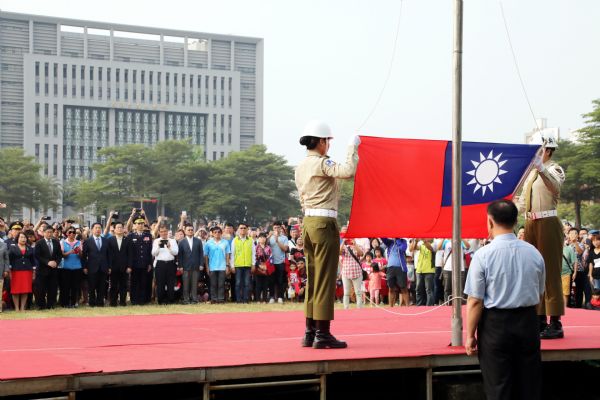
(139, 262)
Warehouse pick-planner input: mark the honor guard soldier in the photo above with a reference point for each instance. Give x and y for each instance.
(318, 189)
(543, 230)
(141, 243)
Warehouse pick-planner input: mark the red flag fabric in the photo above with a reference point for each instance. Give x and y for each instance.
(402, 187)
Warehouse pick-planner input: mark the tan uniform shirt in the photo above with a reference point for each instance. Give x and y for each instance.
(545, 189)
(316, 179)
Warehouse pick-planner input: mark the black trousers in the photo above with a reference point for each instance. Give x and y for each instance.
(48, 288)
(70, 286)
(118, 287)
(165, 274)
(139, 286)
(261, 287)
(509, 353)
(96, 288)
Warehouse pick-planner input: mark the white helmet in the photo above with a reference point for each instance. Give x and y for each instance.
(317, 129)
(549, 143)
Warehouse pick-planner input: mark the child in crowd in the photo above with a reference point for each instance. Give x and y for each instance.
(366, 266)
(293, 282)
(595, 302)
(380, 259)
(375, 283)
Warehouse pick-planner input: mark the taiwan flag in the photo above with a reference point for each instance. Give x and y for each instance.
(403, 187)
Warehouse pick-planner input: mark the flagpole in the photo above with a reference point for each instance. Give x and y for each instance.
(456, 176)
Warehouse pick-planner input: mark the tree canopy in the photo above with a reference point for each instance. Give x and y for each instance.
(252, 185)
(18, 170)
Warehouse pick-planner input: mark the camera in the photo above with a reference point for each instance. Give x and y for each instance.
(163, 242)
(115, 215)
(70, 221)
(138, 210)
(46, 218)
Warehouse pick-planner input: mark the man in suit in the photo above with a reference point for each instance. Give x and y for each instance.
(48, 255)
(120, 253)
(191, 261)
(95, 260)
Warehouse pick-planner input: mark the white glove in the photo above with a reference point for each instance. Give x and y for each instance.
(538, 163)
(354, 141)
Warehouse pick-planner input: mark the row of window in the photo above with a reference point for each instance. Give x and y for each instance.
(44, 120)
(46, 158)
(138, 86)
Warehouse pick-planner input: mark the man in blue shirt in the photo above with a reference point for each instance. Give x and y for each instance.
(397, 270)
(216, 255)
(505, 282)
(279, 247)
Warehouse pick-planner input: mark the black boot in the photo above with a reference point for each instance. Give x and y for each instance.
(324, 339)
(543, 323)
(309, 333)
(554, 330)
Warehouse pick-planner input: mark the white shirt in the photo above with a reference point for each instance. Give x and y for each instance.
(448, 256)
(164, 253)
(190, 241)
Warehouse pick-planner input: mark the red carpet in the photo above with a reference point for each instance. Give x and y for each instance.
(64, 346)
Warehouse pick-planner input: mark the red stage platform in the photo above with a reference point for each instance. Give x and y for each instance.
(40, 348)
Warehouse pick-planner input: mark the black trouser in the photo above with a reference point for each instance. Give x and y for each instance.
(262, 286)
(438, 286)
(279, 281)
(139, 285)
(70, 286)
(164, 273)
(48, 287)
(118, 287)
(509, 353)
(97, 288)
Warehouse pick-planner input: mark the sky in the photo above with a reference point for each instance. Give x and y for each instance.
(329, 60)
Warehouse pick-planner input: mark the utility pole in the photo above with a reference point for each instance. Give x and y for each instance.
(457, 175)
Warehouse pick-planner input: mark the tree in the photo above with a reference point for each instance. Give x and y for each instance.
(581, 162)
(345, 203)
(21, 184)
(252, 186)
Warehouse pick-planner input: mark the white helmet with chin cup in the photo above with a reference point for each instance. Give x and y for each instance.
(317, 129)
(549, 143)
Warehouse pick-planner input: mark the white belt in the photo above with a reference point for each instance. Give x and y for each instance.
(320, 212)
(541, 214)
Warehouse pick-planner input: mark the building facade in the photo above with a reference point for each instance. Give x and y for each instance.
(69, 87)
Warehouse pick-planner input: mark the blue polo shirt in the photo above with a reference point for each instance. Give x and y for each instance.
(507, 273)
(216, 254)
(278, 254)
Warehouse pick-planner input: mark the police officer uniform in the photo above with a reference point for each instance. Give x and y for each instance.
(543, 230)
(141, 244)
(316, 179)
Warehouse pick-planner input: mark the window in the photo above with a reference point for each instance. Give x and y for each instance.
(167, 82)
(46, 151)
(55, 127)
(46, 112)
(108, 79)
(230, 87)
(37, 153)
(46, 67)
(222, 154)
(100, 83)
(37, 119)
(118, 84)
(214, 155)
(91, 82)
(134, 85)
(175, 88)
(229, 130)
(222, 129)
(64, 80)
(37, 78)
(55, 85)
(82, 76)
(73, 81)
(55, 160)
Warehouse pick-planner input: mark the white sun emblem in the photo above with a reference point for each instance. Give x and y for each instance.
(487, 172)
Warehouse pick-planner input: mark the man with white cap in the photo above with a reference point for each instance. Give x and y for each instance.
(543, 229)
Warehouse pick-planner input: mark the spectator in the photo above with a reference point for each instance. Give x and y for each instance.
(425, 270)
(351, 272)
(297, 251)
(380, 259)
(375, 278)
(191, 260)
(569, 271)
(14, 230)
(438, 285)
(578, 273)
(230, 278)
(141, 243)
(595, 301)
(242, 250)
(31, 237)
(22, 269)
(521, 233)
(164, 251)
(447, 247)
(121, 259)
(293, 282)
(261, 278)
(279, 246)
(2, 229)
(95, 261)
(397, 270)
(4, 267)
(217, 259)
(49, 255)
(70, 277)
(594, 262)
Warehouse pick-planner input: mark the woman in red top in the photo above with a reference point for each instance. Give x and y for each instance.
(22, 270)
